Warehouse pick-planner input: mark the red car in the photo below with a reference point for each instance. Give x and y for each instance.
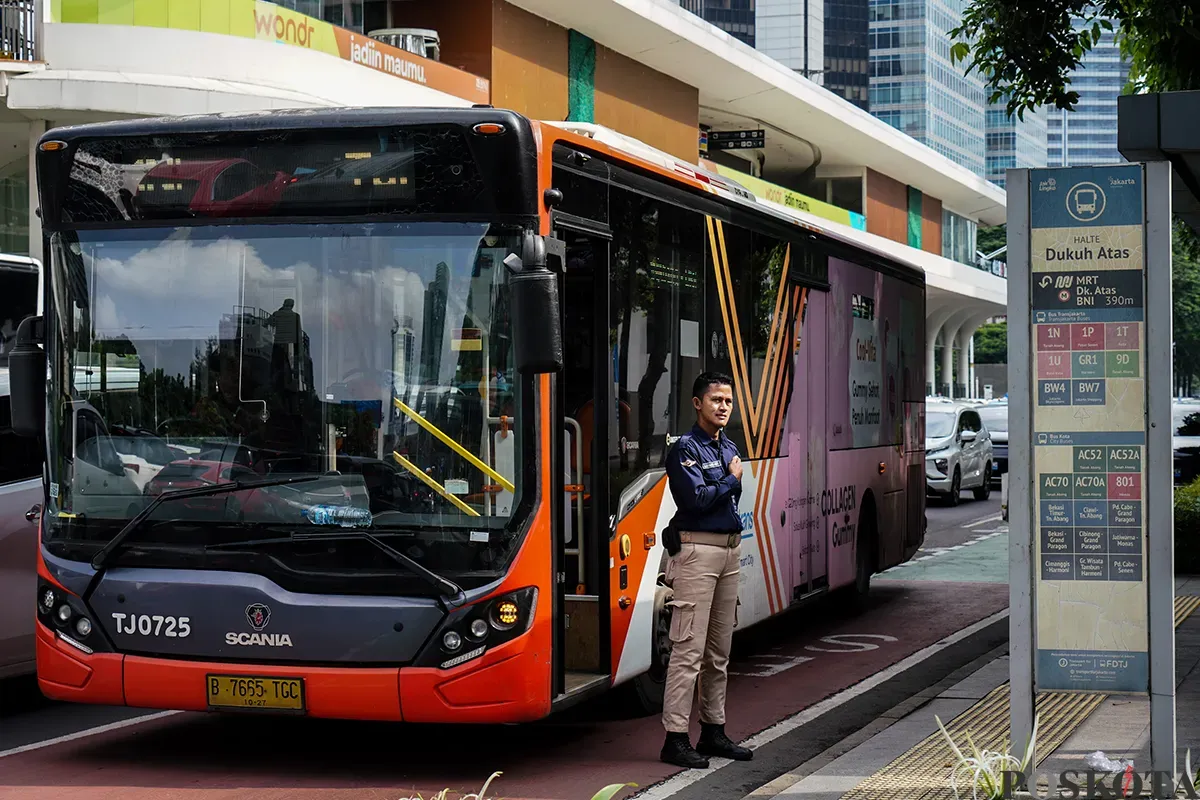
(220, 187)
(254, 504)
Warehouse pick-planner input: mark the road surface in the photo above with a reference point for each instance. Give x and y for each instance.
(800, 683)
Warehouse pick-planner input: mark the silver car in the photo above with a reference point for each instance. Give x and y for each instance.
(995, 419)
(958, 453)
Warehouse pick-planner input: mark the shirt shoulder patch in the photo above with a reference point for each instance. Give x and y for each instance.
(687, 462)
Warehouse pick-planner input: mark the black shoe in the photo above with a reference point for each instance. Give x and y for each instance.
(714, 742)
(678, 750)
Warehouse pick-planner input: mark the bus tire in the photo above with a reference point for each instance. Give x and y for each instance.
(647, 689)
(865, 556)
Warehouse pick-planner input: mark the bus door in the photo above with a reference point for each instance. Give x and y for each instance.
(807, 451)
(586, 421)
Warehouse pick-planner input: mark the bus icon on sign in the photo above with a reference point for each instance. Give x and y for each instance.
(1085, 201)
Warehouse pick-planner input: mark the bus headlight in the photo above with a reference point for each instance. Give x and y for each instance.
(505, 615)
(69, 620)
(470, 631)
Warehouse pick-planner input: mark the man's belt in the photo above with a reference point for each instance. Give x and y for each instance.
(715, 539)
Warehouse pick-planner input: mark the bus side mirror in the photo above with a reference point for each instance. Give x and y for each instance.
(27, 379)
(536, 320)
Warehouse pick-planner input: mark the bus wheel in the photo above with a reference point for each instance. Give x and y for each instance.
(648, 688)
(864, 562)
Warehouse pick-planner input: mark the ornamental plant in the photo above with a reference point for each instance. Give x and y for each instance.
(607, 793)
(983, 770)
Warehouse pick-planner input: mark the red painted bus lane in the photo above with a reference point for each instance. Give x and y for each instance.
(780, 668)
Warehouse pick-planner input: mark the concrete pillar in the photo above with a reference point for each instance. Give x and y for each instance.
(936, 314)
(931, 360)
(965, 373)
(949, 338)
(975, 391)
(36, 129)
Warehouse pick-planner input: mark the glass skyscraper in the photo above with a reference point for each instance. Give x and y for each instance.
(1013, 143)
(847, 52)
(1088, 135)
(916, 89)
(735, 17)
(793, 33)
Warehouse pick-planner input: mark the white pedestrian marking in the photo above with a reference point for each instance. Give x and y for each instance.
(785, 663)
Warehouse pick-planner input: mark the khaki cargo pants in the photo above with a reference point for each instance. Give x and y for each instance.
(703, 614)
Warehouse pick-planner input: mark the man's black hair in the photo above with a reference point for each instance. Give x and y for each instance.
(707, 379)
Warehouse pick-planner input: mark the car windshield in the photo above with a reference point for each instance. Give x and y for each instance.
(939, 424)
(377, 356)
(995, 418)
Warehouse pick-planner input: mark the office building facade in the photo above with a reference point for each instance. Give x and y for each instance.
(735, 17)
(793, 33)
(847, 51)
(1088, 135)
(1013, 142)
(913, 85)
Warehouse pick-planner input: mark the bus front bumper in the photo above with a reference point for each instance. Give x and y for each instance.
(508, 684)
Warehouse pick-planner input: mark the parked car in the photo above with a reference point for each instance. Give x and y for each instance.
(1185, 439)
(995, 419)
(958, 453)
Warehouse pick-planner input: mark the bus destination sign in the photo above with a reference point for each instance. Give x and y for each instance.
(1087, 297)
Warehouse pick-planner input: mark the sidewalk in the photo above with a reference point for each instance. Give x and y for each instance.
(903, 756)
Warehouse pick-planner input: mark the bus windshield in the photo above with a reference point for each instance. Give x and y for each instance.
(376, 356)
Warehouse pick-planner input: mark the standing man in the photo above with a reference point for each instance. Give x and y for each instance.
(704, 540)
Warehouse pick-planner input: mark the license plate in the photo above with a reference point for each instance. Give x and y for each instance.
(246, 691)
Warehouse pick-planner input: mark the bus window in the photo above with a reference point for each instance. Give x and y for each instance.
(656, 285)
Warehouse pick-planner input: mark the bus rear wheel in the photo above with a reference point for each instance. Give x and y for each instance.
(864, 561)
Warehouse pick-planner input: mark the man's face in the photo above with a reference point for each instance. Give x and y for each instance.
(716, 405)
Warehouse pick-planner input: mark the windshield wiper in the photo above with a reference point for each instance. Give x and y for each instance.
(452, 594)
(198, 491)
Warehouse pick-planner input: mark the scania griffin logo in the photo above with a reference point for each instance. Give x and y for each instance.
(258, 615)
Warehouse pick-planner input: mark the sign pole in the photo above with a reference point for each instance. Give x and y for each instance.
(1020, 507)
(1160, 474)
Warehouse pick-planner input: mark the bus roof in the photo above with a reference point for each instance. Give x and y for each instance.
(280, 119)
(616, 143)
(906, 257)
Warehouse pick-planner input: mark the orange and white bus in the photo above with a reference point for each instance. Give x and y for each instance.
(412, 403)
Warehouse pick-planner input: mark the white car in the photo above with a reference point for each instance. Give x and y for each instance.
(958, 452)
(143, 457)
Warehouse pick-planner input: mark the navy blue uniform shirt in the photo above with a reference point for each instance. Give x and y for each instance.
(705, 492)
